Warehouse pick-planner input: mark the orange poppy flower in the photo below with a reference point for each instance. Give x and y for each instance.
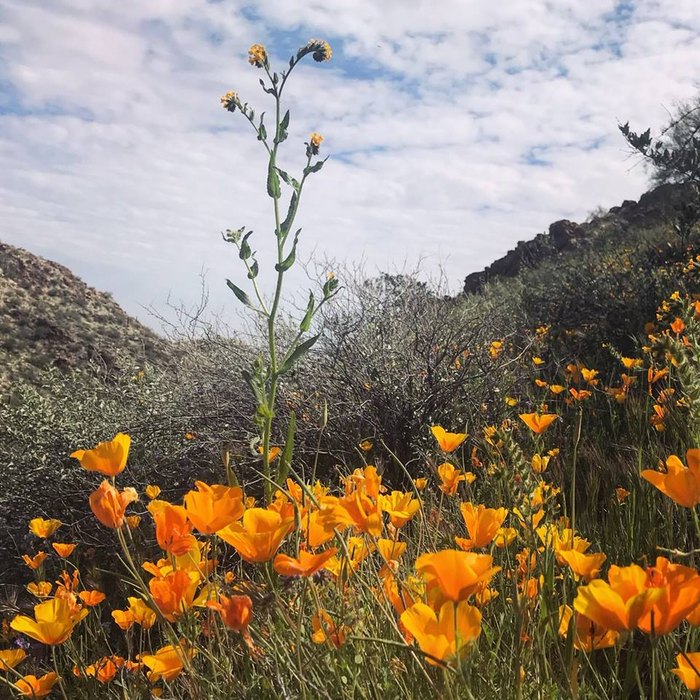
(173, 529)
(678, 326)
(688, 670)
(152, 491)
(358, 510)
(91, 598)
(540, 463)
(36, 561)
(42, 589)
(448, 442)
(325, 630)
(212, 508)
(167, 663)
(137, 613)
(455, 574)
(450, 478)
(259, 536)
(538, 422)
(420, 483)
(37, 688)
(63, 549)
(109, 505)
(390, 550)
(318, 526)
(108, 458)
(482, 525)
(103, 670)
(133, 521)
(621, 494)
(53, 621)
(586, 566)
(272, 454)
(9, 658)
(236, 611)
(44, 528)
(442, 635)
(587, 634)
(306, 564)
(679, 483)
(400, 506)
(174, 593)
(656, 599)
(680, 592)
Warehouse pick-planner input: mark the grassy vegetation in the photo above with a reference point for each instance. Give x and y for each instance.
(439, 497)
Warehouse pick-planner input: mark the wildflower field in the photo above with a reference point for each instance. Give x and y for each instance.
(542, 541)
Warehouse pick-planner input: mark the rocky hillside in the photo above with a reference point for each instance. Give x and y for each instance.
(654, 208)
(50, 318)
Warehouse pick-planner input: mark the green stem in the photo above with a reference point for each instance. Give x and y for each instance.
(577, 438)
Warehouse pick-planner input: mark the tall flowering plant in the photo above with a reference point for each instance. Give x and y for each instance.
(264, 377)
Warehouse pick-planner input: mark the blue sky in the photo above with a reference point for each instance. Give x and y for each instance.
(452, 132)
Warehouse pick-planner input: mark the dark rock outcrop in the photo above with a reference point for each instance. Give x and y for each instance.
(654, 207)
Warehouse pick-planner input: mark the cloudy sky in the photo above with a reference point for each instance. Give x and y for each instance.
(455, 128)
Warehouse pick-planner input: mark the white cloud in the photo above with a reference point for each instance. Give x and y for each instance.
(456, 132)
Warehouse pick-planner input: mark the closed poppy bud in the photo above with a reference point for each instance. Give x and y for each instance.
(108, 458)
(43, 528)
(109, 505)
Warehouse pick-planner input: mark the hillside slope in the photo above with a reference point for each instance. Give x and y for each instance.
(51, 318)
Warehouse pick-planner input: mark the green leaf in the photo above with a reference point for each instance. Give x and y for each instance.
(245, 252)
(291, 213)
(289, 179)
(282, 128)
(308, 316)
(286, 458)
(255, 386)
(240, 294)
(315, 167)
(273, 180)
(298, 352)
(254, 269)
(269, 91)
(289, 260)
